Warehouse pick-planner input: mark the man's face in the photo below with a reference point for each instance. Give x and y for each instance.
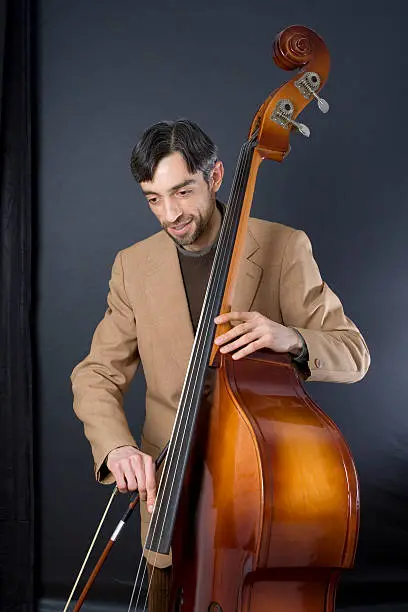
(183, 203)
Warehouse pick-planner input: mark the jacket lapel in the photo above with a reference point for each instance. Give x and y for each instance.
(249, 277)
(167, 302)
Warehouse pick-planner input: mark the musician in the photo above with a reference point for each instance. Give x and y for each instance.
(157, 288)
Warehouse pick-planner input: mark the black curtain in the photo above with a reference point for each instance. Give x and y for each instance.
(16, 427)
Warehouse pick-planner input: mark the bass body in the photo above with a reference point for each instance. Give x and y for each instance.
(270, 503)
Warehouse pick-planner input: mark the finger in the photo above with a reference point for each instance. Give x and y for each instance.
(138, 470)
(150, 472)
(130, 476)
(242, 341)
(234, 333)
(250, 348)
(234, 316)
(119, 477)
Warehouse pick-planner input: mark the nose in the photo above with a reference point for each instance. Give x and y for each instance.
(172, 209)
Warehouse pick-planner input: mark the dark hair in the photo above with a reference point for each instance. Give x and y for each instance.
(166, 137)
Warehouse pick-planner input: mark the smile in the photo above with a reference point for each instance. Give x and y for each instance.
(179, 229)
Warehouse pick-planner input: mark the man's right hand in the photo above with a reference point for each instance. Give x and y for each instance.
(134, 470)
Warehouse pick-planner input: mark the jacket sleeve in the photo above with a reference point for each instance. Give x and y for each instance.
(337, 349)
(100, 381)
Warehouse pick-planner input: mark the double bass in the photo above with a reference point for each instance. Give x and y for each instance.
(258, 499)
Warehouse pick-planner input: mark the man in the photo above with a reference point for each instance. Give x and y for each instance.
(156, 293)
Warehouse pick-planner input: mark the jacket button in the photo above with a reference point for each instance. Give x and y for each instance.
(318, 363)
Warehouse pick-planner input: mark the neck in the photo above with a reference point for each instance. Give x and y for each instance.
(210, 235)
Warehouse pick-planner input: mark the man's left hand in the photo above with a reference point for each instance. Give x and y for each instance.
(256, 332)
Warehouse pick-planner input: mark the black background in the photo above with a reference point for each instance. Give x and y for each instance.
(107, 70)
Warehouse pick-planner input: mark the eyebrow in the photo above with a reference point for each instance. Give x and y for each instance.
(173, 189)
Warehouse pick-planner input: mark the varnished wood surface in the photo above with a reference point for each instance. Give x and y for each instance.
(275, 496)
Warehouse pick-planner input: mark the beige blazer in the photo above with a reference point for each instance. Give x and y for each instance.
(148, 319)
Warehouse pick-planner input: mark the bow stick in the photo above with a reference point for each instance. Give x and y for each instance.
(132, 505)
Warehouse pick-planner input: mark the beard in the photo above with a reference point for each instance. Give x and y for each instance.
(198, 227)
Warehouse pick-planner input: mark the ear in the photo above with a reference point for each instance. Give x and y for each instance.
(217, 175)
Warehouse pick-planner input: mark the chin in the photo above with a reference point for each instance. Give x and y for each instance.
(185, 240)
(182, 240)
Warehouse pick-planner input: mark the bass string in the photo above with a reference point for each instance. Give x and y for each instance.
(190, 380)
(175, 433)
(235, 201)
(208, 319)
(197, 356)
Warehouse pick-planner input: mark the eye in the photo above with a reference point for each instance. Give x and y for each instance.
(184, 192)
(152, 200)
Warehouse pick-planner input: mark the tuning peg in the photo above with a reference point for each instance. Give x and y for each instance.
(303, 129)
(321, 103)
(282, 115)
(308, 84)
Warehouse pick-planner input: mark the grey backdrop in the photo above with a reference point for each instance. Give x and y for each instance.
(107, 70)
